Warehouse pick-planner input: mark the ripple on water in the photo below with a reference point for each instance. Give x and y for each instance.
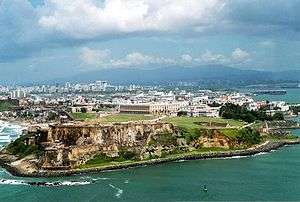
(119, 191)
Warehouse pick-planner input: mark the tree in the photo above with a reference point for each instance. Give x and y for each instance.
(232, 111)
(278, 116)
(83, 110)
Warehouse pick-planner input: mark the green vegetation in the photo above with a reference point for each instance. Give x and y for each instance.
(164, 138)
(195, 122)
(6, 105)
(211, 149)
(20, 148)
(83, 116)
(295, 109)
(230, 133)
(190, 134)
(246, 136)
(232, 111)
(180, 152)
(92, 116)
(192, 128)
(103, 160)
(125, 118)
(277, 137)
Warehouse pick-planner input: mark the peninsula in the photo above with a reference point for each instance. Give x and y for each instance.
(113, 142)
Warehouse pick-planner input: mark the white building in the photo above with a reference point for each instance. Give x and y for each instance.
(17, 94)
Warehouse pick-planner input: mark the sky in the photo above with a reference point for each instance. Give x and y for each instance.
(56, 38)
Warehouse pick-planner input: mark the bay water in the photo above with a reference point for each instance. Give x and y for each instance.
(273, 176)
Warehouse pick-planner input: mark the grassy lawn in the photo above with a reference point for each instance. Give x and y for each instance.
(100, 164)
(5, 106)
(230, 133)
(193, 127)
(201, 151)
(103, 160)
(193, 122)
(91, 117)
(83, 116)
(124, 118)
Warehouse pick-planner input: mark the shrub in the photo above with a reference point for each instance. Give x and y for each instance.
(20, 148)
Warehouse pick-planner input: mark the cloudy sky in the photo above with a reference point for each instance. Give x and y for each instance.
(58, 37)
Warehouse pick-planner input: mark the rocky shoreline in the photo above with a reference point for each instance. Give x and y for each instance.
(267, 146)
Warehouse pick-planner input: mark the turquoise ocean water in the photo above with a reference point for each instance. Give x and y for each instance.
(292, 96)
(270, 176)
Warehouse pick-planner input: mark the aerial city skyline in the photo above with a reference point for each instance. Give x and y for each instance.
(149, 100)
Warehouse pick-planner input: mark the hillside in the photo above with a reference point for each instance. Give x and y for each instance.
(209, 75)
(212, 75)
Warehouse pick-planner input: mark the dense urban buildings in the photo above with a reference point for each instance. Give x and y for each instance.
(45, 102)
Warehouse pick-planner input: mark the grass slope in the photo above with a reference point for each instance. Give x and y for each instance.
(193, 122)
(92, 117)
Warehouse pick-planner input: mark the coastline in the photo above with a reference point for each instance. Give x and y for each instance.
(21, 123)
(264, 147)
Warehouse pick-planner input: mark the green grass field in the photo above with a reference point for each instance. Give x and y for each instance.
(5, 106)
(193, 127)
(103, 160)
(193, 122)
(91, 117)
(230, 133)
(125, 118)
(83, 116)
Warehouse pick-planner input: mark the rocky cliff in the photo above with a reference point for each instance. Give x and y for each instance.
(68, 145)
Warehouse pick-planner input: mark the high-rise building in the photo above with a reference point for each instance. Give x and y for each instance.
(17, 94)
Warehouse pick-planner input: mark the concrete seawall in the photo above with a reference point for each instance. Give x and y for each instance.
(264, 147)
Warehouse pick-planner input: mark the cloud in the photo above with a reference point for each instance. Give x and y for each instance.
(137, 59)
(186, 58)
(126, 16)
(240, 56)
(210, 58)
(92, 56)
(263, 17)
(17, 18)
(237, 56)
(100, 19)
(103, 59)
(27, 29)
(267, 43)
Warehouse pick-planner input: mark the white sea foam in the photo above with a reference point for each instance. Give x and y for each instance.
(102, 178)
(9, 132)
(74, 183)
(12, 182)
(43, 184)
(94, 179)
(119, 191)
(233, 157)
(261, 153)
(181, 161)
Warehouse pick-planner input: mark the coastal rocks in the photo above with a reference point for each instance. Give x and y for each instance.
(214, 139)
(68, 146)
(162, 143)
(26, 165)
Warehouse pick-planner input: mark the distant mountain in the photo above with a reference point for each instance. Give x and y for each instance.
(210, 75)
(215, 75)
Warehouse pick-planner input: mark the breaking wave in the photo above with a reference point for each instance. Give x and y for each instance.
(45, 184)
(12, 182)
(119, 191)
(9, 131)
